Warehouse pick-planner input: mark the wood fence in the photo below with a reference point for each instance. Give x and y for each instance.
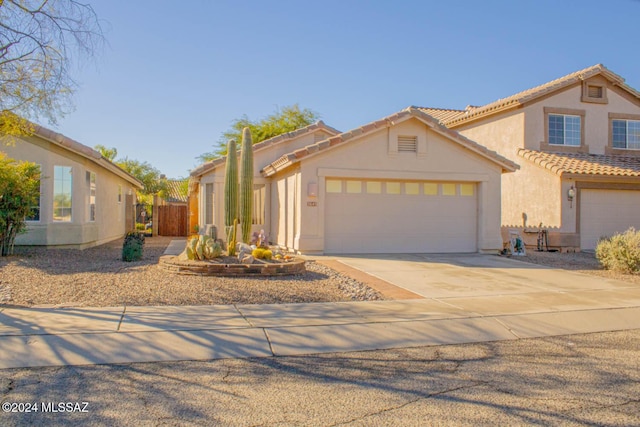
(172, 220)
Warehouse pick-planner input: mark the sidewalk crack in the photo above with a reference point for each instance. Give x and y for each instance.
(266, 334)
(507, 328)
(124, 310)
(246, 319)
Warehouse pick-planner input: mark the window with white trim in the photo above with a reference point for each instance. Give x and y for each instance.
(34, 215)
(62, 192)
(259, 192)
(565, 129)
(626, 134)
(208, 203)
(91, 185)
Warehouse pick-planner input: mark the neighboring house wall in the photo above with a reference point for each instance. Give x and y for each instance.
(595, 116)
(81, 231)
(535, 195)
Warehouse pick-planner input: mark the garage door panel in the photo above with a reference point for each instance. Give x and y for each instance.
(379, 223)
(606, 212)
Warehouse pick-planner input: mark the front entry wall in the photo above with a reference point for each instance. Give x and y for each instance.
(374, 216)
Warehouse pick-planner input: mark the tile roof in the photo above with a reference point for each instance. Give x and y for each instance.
(294, 157)
(584, 164)
(177, 191)
(84, 151)
(443, 115)
(520, 98)
(212, 164)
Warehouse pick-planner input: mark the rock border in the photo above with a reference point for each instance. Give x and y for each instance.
(203, 268)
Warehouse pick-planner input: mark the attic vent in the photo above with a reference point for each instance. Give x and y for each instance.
(594, 92)
(407, 144)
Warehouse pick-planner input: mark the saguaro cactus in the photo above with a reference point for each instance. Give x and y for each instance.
(246, 185)
(231, 186)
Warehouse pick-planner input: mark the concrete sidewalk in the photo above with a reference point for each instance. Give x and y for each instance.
(79, 336)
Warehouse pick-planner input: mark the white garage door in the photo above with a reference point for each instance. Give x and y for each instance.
(369, 216)
(606, 212)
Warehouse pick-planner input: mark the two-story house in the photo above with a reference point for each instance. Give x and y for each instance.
(577, 140)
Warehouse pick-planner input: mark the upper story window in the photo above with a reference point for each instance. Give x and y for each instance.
(62, 191)
(565, 129)
(626, 134)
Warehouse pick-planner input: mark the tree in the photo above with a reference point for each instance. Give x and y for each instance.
(19, 193)
(282, 121)
(39, 40)
(145, 173)
(108, 153)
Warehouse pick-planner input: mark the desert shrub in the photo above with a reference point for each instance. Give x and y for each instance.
(132, 247)
(620, 252)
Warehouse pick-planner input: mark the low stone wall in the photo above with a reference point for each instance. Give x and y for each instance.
(203, 268)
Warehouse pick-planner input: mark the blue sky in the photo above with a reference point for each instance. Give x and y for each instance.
(176, 74)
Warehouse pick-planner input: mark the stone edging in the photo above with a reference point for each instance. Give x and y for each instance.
(203, 268)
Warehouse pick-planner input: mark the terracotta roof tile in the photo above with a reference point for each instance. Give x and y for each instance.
(443, 115)
(176, 191)
(584, 164)
(454, 118)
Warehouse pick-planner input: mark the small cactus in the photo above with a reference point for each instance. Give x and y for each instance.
(201, 248)
(231, 239)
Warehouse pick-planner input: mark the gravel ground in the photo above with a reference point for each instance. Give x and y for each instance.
(97, 277)
(583, 262)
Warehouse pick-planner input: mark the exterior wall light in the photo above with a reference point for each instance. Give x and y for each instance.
(312, 189)
(571, 193)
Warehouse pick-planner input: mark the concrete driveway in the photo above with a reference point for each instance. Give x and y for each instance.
(490, 285)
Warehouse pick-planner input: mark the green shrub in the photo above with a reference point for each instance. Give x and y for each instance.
(621, 252)
(132, 246)
(140, 226)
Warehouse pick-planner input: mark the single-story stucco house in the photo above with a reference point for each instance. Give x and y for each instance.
(85, 200)
(577, 140)
(404, 183)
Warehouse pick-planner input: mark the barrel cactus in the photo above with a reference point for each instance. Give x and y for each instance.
(246, 185)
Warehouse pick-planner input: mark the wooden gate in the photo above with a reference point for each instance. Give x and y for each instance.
(172, 220)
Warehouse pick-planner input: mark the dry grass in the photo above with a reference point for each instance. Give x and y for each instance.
(97, 277)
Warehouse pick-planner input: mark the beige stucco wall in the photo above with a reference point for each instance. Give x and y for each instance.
(596, 121)
(109, 223)
(503, 133)
(372, 156)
